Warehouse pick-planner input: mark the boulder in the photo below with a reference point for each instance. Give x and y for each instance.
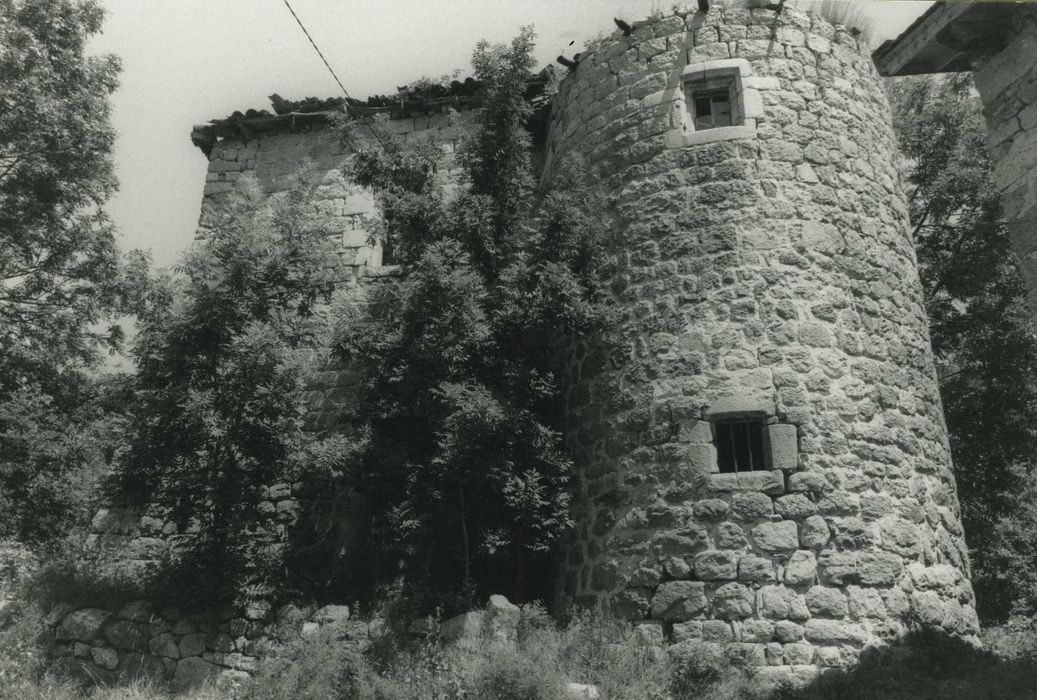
(464, 629)
(192, 673)
(500, 621)
(332, 615)
(84, 625)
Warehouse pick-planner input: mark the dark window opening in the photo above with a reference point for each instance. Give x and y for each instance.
(712, 109)
(739, 446)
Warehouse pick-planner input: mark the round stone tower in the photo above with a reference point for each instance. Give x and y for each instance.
(769, 468)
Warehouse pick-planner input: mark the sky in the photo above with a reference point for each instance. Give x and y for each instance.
(188, 61)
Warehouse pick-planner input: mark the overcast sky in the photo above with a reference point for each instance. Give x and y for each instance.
(188, 61)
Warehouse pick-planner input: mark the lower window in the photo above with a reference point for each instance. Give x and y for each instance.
(739, 445)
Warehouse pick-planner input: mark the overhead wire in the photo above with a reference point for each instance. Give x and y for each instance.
(331, 70)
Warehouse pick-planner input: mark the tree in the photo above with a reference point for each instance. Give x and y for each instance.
(985, 350)
(60, 273)
(59, 268)
(219, 411)
(463, 462)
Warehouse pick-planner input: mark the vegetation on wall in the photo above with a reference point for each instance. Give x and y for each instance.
(463, 461)
(219, 410)
(985, 349)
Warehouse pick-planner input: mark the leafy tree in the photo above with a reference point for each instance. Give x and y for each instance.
(60, 273)
(985, 349)
(59, 268)
(54, 458)
(220, 357)
(463, 461)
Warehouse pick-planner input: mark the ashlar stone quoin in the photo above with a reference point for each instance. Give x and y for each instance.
(766, 278)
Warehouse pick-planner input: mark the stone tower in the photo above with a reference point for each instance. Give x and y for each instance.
(769, 468)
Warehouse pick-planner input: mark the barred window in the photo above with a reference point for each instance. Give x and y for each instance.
(739, 445)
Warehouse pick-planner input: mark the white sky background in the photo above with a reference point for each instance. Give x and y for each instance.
(188, 61)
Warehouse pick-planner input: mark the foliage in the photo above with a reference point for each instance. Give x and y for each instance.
(463, 461)
(985, 349)
(55, 455)
(219, 411)
(313, 670)
(60, 274)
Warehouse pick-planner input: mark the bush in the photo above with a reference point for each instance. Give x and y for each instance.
(22, 656)
(694, 668)
(318, 669)
(513, 674)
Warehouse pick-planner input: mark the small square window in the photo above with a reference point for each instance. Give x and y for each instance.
(713, 102)
(739, 445)
(712, 109)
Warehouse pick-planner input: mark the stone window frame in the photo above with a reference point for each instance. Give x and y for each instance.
(746, 102)
(780, 446)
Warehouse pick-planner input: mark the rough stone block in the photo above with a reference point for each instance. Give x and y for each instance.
(784, 446)
(740, 405)
(801, 569)
(814, 533)
(787, 631)
(716, 565)
(879, 569)
(685, 631)
(631, 603)
(730, 536)
(830, 632)
(751, 506)
(717, 631)
(84, 625)
(754, 569)
(105, 657)
(711, 509)
(768, 482)
(782, 536)
(837, 568)
(794, 506)
(866, 603)
(757, 631)
(780, 603)
(193, 673)
(826, 602)
(678, 601)
(732, 601)
(797, 654)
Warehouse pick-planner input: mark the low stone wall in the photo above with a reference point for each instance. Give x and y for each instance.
(185, 651)
(224, 649)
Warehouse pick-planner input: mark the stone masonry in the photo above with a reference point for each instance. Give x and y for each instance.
(766, 272)
(1007, 82)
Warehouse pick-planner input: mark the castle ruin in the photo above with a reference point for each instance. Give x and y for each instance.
(770, 467)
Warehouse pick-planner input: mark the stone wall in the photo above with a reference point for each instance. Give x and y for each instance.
(219, 647)
(275, 157)
(1007, 82)
(766, 273)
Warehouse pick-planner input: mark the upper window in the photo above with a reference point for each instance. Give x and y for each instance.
(712, 106)
(739, 445)
(713, 102)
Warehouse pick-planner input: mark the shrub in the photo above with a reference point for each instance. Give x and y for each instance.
(323, 668)
(513, 674)
(695, 667)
